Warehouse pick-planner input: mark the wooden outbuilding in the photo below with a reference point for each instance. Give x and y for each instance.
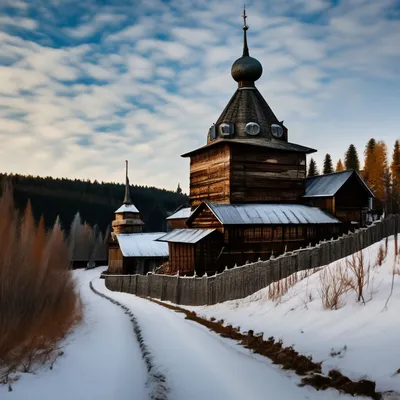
(342, 194)
(222, 235)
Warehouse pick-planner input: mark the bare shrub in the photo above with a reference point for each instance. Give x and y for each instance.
(381, 256)
(38, 301)
(334, 283)
(360, 274)
(279, 288)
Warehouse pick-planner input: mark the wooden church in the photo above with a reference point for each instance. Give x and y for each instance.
(249, 194)
(130, 250)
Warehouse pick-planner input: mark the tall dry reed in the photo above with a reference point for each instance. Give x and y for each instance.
(38, 300)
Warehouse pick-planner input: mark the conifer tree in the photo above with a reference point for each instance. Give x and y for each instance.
(377, 174)
(351, 160)
(369, 161)
(395, 167)
(339, 166)
(179, 189)
(312, 168)
(328, 166)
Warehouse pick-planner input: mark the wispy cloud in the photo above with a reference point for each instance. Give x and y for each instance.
(83, 86)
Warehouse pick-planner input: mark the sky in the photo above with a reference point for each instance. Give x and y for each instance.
(87, 84)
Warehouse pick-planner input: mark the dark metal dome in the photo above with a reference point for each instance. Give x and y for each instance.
(246, 69)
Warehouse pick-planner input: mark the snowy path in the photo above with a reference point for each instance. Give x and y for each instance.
(199, 364)
(102, 359)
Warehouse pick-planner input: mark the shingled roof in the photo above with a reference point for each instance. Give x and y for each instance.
(247, 104)
(268, 143)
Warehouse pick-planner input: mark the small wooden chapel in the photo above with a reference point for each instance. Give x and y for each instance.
(248, 188)
(130, 250)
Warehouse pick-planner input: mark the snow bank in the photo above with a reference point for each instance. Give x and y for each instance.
(366, 336)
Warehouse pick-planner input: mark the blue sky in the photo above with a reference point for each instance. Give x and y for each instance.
(86, 84)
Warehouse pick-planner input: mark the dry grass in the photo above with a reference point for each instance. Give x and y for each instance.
(334, 283)
(381, 256)
(38, 301)
(278, 289)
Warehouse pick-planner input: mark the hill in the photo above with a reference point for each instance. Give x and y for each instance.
(96, 202)
(320, 315)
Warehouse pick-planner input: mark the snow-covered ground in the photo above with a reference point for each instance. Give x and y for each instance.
(101, 361)
(199, 364)
(367, 336)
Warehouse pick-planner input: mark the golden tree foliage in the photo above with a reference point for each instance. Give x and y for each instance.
(378, 170)
(38, 301)
(339, 166)
(369, 162)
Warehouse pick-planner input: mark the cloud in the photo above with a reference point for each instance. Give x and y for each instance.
(88, 86)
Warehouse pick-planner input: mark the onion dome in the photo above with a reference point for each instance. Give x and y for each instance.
(246, 70)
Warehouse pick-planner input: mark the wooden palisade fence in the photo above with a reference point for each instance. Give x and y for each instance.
(239, 282)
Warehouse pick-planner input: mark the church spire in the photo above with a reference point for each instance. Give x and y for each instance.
(127, 199)
(245, 28)
(246, 70)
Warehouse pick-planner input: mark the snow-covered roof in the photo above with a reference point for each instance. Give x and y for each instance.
(328, 185)
(245, 214)
(127, 208)
(142, 245)
(180, 214)
(185, 235)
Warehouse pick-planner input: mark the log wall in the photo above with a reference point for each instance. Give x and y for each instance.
(237, 283)
(266, 176)
(209, 176)
(246, 174)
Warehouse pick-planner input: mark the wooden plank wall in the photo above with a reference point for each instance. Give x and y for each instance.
(181, 258)
(209, 176)
(115, 260)
(324, 203)
(178, 223)
(206, 220)
(264, 175)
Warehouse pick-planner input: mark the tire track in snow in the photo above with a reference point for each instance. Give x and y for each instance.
(156, 381)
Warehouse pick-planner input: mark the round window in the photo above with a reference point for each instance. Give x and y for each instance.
(252, 128)
(276, 130)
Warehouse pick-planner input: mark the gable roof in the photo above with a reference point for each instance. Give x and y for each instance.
(328, 185)
(142, 245)
(181, 213)
(266, 214)
(185, 235)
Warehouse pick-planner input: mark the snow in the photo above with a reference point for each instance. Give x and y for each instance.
(367, 335)
(186, 235)
(199, 364)
(127, 208)
(101, 360)
(142, 244)
(181, 214)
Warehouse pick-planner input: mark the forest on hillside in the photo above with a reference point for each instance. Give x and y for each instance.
(96, 202)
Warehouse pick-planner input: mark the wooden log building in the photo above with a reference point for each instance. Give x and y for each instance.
(130, 250)
(249, 194)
